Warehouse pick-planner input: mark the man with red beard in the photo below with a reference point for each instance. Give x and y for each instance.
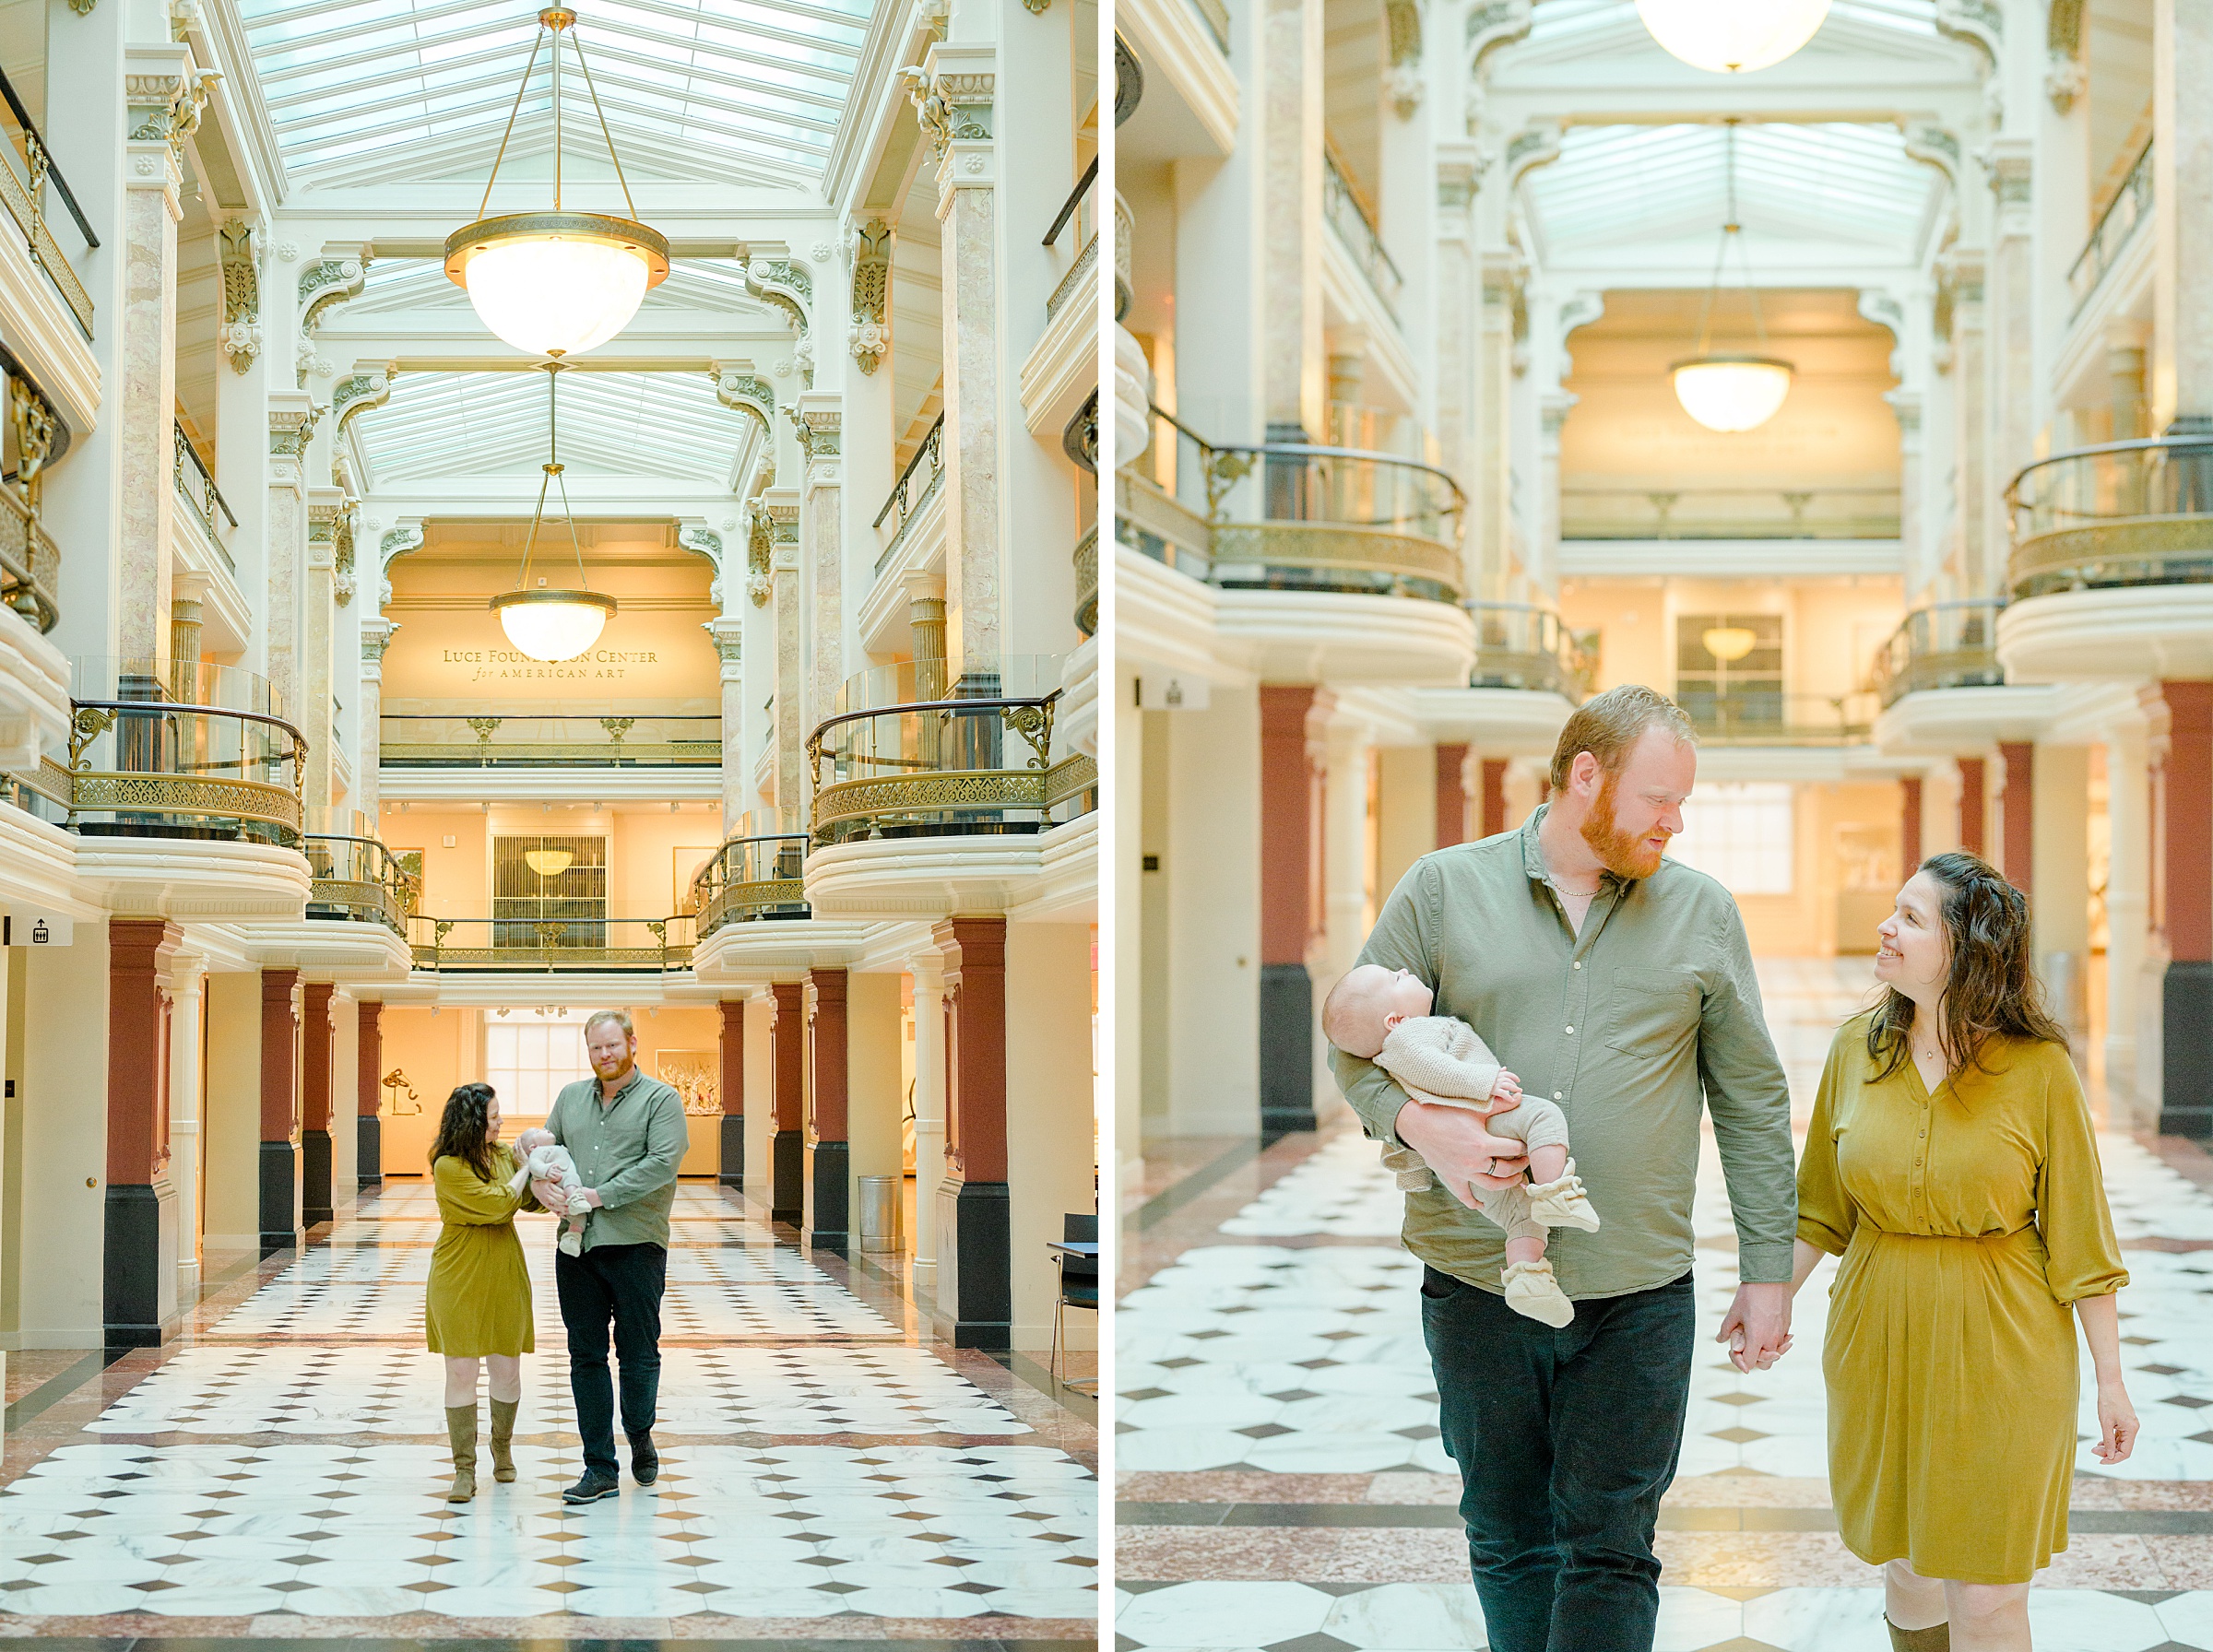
(1619, 984)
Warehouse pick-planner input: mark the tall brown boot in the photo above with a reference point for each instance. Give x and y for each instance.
(502, 1439)
(1937, 1638)
(461, 1429)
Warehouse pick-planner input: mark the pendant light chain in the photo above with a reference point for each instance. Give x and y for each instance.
(610, 136)
(554, 470)
(535, 40)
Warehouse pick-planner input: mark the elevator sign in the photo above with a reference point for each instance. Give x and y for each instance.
(36, 929)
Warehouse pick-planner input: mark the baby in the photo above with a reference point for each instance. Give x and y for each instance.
(1384, 1016)
(545, 1159)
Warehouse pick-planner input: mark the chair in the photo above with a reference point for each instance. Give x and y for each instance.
(1079, 1286)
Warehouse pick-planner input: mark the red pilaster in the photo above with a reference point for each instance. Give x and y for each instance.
(138, 950)
(1451, 794)
(1909, 824)
(733, 1057)
(829, 1053)
(1973, 831)
(279, 1056)
(1494, 795)
(314, 1057)
(976, 1044)
(2017, 814)
(790, 1047)
(369, 1060)
(1290, 842)
(2188, 806)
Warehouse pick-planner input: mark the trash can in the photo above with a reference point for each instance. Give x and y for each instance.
(880, 1213)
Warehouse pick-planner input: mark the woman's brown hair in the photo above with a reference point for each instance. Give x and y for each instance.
(1990, 989)
(464, 1132)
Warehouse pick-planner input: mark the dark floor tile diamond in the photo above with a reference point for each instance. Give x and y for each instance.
(148, 1588)
(1317, 1642)
(564, 1588)
(427, 1588)
(974, 1588)
(1264, 1431)
(1738, 1436)
(1291, 1396)
(291, 1585)
(840, 1588)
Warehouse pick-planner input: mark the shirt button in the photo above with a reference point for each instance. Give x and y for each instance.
(1557, 1096)
(1579, 963)
(1571, 1029)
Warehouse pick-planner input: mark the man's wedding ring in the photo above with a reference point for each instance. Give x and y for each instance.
(1492, 1168)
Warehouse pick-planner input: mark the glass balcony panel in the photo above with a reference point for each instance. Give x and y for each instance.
(181, 748)
(1760, 715)
(599, 945)
(1944, 646)
(1521, 645)
(356, 879)
(2123, 514)
(413, 740)
(756, 874)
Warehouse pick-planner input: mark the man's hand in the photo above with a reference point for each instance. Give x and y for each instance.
(1454, 1144)
(549, 1194)
(1757, 1326)
(585, 1198)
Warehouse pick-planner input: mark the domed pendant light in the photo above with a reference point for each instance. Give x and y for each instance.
(1726, 392)
(552, 625)
(556, 283)
(1731, 37)
(548, 863)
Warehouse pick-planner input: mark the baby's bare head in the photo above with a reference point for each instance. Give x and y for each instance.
(1363, 1007)
(533, 1138)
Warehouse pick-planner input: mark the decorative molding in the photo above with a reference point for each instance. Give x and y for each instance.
(1934, 146)
(357, 393)
(1978, 23)
(323, 285)
(405, 536)
(737, 386)
(729, 638)
(240, 253)
(1491, 24)
(819, 430)
(1402, 78)
(342, 585)
(2009, 171)
(166, 107)
(377, 636)
(693, 536)
(1536, 145)
(290, 431)
(870, 336)
(950, 108)
(759, 552)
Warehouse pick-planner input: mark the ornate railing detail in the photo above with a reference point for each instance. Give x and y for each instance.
(358, 879)
(2121, 514)
(1761, 717)
(25, 198)
(754, 877)
(181, 749)
(198, 490)
(1521, 645)
(2116, 226)
(1087, 582)
(415, 740)
(916, 486)
(1751, 513)
(29, 561)
(1944, 646)
(611, 945)
(1357, 232)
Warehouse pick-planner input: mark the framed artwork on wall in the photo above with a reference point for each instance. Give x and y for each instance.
(694, 1076)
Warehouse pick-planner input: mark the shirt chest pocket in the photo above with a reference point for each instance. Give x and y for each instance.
(1650, 1013)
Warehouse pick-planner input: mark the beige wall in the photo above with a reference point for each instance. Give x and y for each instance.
(231, 1112)
(878, 1055)
(1821, 918)
(1050, 1129)
(63, 1144)
(644, 848)
(436, 1053)
(1407, 827)
(1832, 627)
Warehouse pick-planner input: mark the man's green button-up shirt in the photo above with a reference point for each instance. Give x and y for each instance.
(1627, 1027)
(627, 1150)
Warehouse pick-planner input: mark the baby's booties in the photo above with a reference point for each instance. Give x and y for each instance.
(1533, 1291)
(1561, 1204)
(571, 1243)
(1409, 1168)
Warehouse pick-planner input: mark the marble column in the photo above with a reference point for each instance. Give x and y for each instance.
(279, 1160)
(2014, 397)
(1291, 851)
(2127, 915)
(377, 636)
(2059, 904)
(1288, 81)
(186, 617)
(1491, 500)
(187, 1000)
(1972, 485)
(2016, 790)
(737, 784)
(2182, 162)
(974, 1294)
(1452, 794)
(795, 794)
(926, 632)
(139, 1256)
(786, 1163)
(1909, 824)
(1494, 795)
(1459, 340)
(318, 610)
(156, 89)
(315, 1082)
(1912, 551)
(2186, 1017)
(1972, 803)
(928, 978)
(730, 1050)
(964, 87)
(829, 1144)
(292, 424)
(822, 529)
(1345, 756)
(369, 1095)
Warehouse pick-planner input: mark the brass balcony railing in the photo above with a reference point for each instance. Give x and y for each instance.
(1087, 582)
(30, 563)
(1354, 225)
(1750, 513)
(197, 489)
(415, 740)
(181, 749)
(908, 754)
(916, 486)
(2116, 227)
(1944, 646)
(24, 175)
(357, 879)
(754, 877)
(551, 945)
(2123, 514)
(1521, 645)
(1765, 717)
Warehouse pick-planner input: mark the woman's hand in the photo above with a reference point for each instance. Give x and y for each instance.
(1453, 1143)
(2117, 1425)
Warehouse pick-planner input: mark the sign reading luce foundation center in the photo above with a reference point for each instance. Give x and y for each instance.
(649, 650)
(504, 665)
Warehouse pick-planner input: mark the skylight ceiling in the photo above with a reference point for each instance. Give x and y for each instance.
(664, 426)
(1836, 189)
(1555, 22)
(713, 90)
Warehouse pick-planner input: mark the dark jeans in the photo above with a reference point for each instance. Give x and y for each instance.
(1566, 1440)
(621, 1283)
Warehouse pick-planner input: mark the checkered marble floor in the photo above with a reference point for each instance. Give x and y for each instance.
(279, 1472)
(1282, 1487)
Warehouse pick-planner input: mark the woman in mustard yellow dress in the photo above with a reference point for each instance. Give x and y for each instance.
(1950, 1163)
(478, 1302)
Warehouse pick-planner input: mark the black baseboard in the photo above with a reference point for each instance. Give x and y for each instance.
(280, 1196)
(139, 1265)
(732, 1174)
(828, 1214)
(314, 1177)
(976, 1280)
(1286, 1050)
(2187, 1052)
(786, 1176)
(368, 1151)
